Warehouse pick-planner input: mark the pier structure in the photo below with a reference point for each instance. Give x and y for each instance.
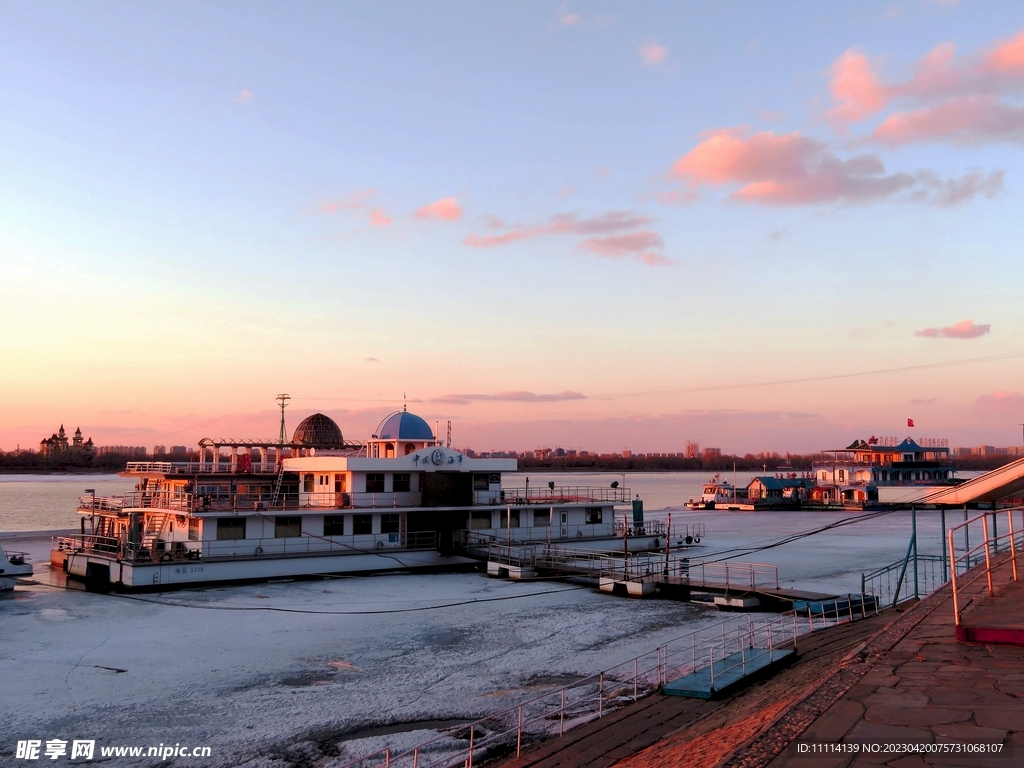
(734, 585)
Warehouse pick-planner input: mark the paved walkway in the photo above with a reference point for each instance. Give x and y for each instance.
(900, 678)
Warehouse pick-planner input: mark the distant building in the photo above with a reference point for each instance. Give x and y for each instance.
(58, 447)
(712, 453)
(179, 450)
(692, 450)
(626, 453)
(159, 451)
(131, 451)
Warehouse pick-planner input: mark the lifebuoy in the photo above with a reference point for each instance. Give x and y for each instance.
(380, 545)
(259, 550)
(696, 539)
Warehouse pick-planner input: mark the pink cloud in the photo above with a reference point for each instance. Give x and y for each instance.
(355, 201)
(1002, 401)
(561, 224)
(447, 208)
(243, 96)
(378, 218)
(637, 245)
(511, 397)
(856, 87)
(947, 192)
(962, 120)
(567, 17)
(955, 98)
(789, 169)
(965, 329)
(653, 54)
(1006, 57)
(605, 233)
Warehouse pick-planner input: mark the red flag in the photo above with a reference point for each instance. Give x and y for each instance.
(910, 422)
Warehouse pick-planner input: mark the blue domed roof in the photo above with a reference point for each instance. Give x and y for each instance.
(402, 425)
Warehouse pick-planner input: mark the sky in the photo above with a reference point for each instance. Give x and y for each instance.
(592, 225)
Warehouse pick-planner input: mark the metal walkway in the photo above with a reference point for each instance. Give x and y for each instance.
(648, 574)
(991, 486)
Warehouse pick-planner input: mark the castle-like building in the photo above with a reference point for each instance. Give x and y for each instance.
(58, 446)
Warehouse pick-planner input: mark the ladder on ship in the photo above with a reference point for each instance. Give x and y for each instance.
(277, 487)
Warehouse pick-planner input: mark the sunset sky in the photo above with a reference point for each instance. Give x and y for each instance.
(594, 225)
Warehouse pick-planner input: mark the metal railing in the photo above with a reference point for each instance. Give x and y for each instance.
(639, 566)
(156, 550)
(926, 574)
(170, 500)
(965, 568)
(564, 494)
(555, 712)
(205, 467)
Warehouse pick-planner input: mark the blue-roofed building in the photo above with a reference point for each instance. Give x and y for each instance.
(399, 434)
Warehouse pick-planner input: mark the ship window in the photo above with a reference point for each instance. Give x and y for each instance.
(409, 448)
(362, 524)
(334, 525)
(514, 515)
(389, 523)
(193, 529)
(287, 527)
(230, 528)
(389, 451)
(324, 481)
(307, 483)
(842, 475)
(480, 520)
(401, 484)
(542, 517)
(340, 484)
(375, 482)
(594, 515)
(481, 483)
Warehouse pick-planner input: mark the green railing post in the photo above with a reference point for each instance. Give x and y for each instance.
(913, 538)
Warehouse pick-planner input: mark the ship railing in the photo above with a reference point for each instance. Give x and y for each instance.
(567, 494)
(170, 500)
(552, 713)
(157, 550)
(364, 543)
(644, 528)
(107, 545)
(987, 557)
(204, 467)
(555, 533)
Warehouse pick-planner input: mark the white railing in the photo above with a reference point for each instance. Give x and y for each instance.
(639, 566)
(553, 713)
(561, 494)
(965, 568)
(170, 500)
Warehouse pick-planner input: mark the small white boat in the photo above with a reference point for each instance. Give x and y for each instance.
(720, 494)
(13, 565)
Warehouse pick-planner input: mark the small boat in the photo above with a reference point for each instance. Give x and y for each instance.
(720, 494)
(13, 565)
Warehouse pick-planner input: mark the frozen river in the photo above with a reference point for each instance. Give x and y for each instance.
(289, 674)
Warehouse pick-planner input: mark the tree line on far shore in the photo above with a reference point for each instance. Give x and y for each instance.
(31, 461)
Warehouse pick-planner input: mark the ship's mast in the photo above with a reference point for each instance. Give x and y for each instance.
(283, 401)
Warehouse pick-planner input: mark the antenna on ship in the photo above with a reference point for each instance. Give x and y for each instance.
(449, 443)
(283, 400)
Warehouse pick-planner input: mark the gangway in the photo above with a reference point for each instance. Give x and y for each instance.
(998, 484)
(734, 584)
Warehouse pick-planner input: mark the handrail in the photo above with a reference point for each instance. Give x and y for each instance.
(990, 545)
(553, 712)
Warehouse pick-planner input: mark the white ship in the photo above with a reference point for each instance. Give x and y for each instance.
(319, 505)
(13, 565)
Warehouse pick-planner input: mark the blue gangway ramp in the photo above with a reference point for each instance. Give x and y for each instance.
(729, 673)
